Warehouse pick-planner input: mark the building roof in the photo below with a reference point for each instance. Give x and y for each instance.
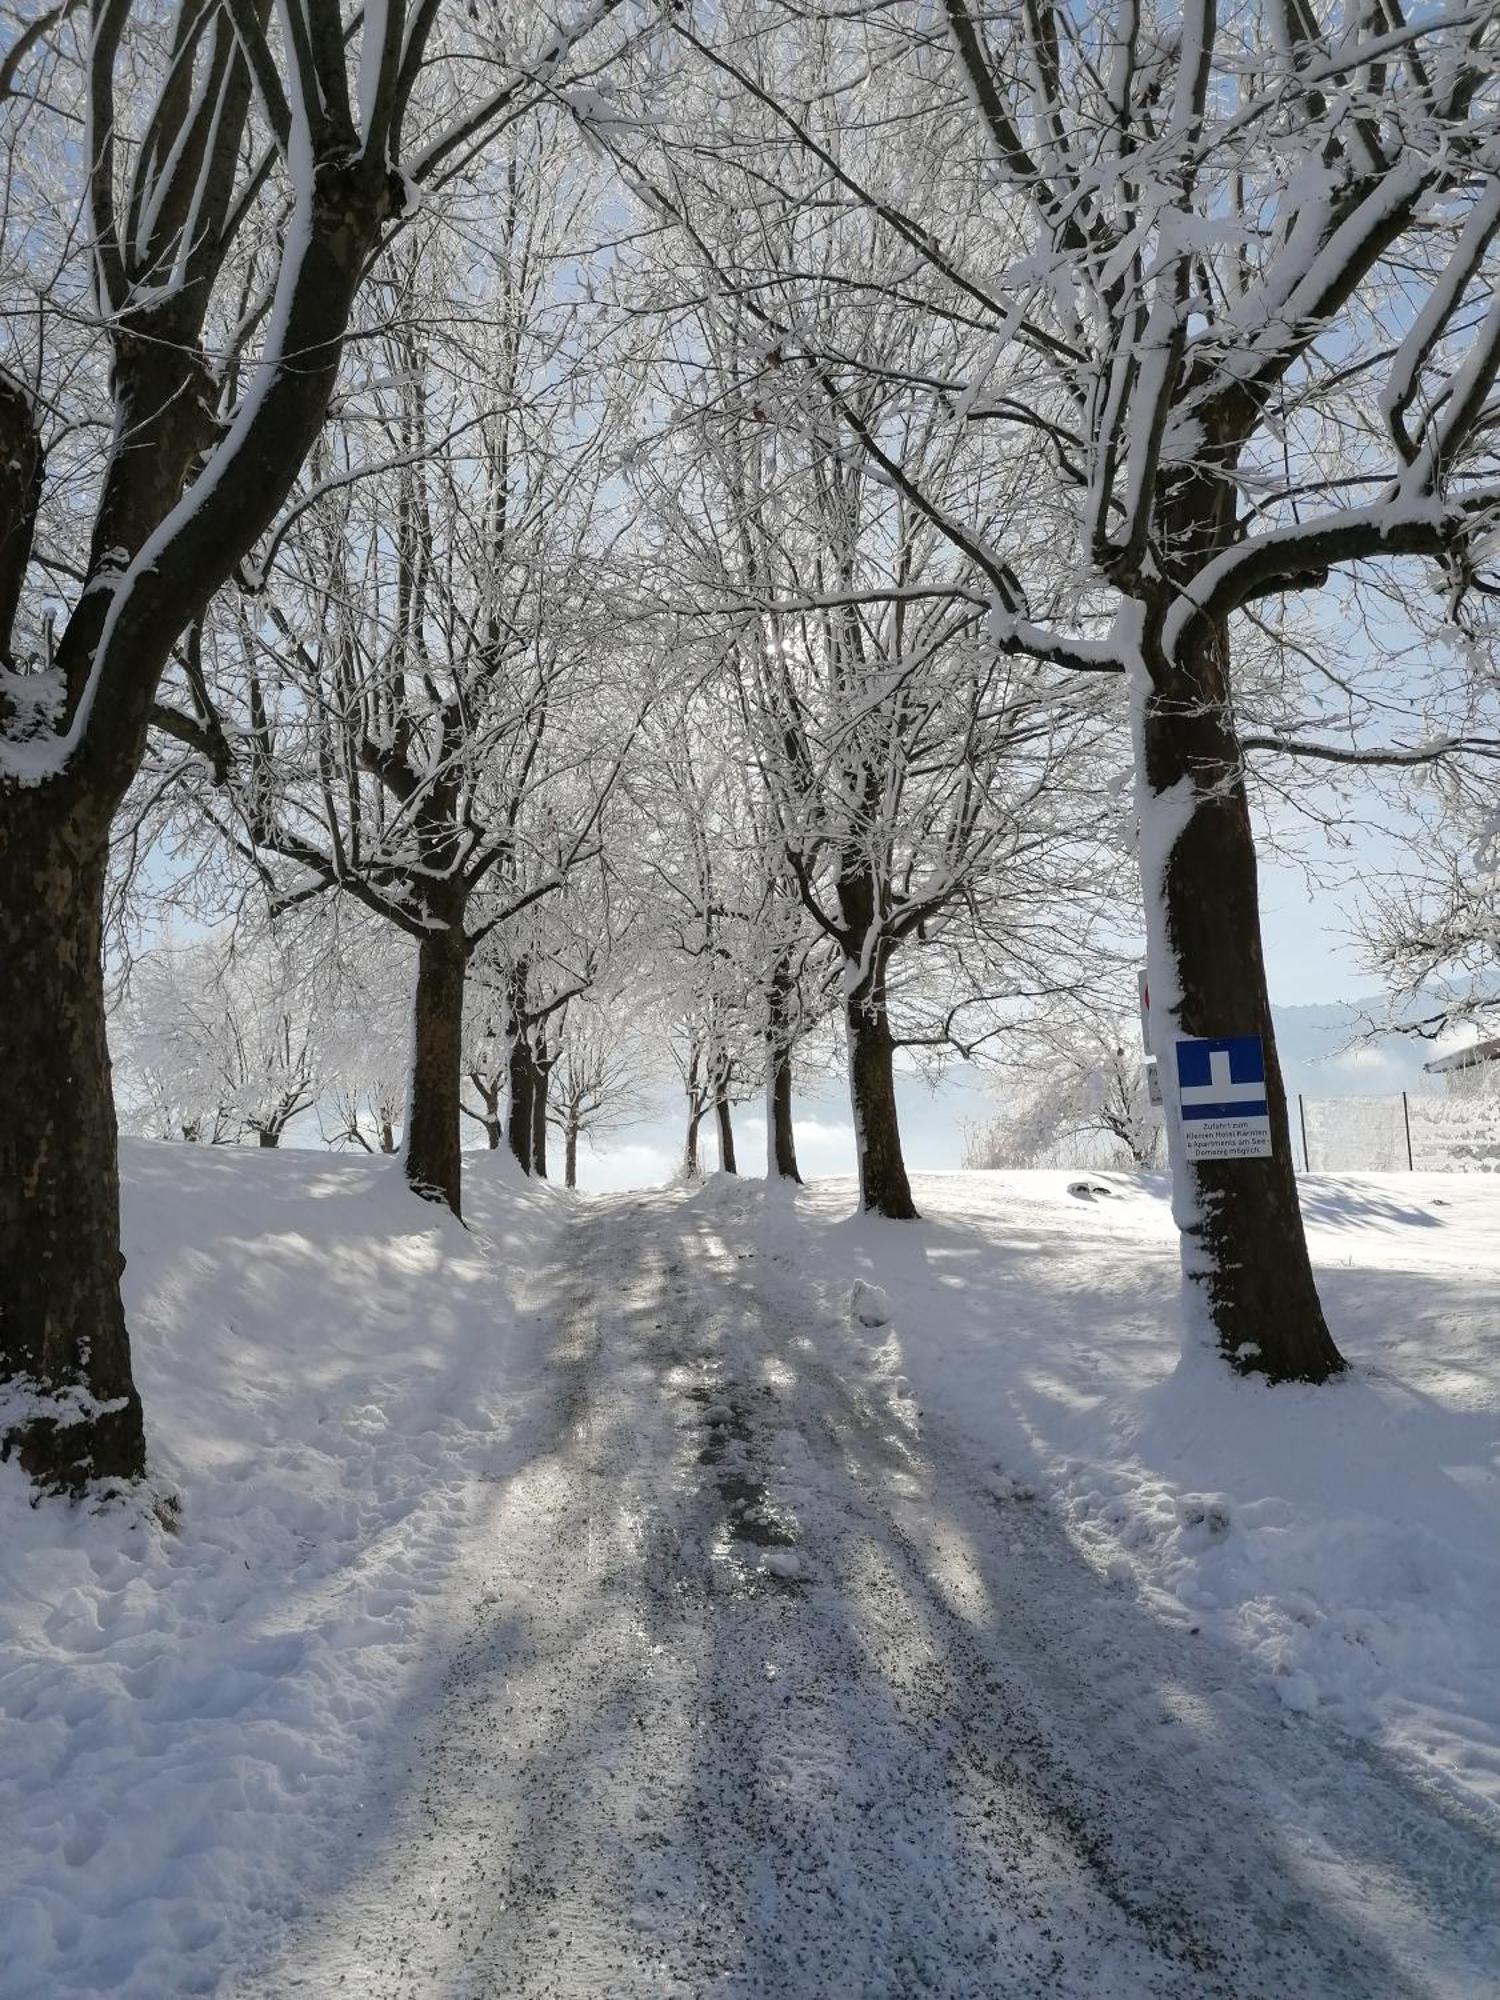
(1469, 1058)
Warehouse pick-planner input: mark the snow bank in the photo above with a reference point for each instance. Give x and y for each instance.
(189, 1700)
(1346, 1539)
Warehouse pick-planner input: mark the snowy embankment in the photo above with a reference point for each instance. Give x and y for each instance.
(335, 1386)
(1347, 1538)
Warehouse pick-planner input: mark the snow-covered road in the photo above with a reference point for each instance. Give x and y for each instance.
(770, 1694)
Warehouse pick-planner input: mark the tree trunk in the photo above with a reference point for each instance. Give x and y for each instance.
(781, 1146)
(433, 1155)
(570, 1152)
(541, 1076)
(62, 1326)
(781, 1149)
(690, 1149)
(727, 1162)
(21, 466)
(1246, 1272)
(883, 1186)
(62, 1323)
(519, 1129)
(489, 1109)
(265, 1136)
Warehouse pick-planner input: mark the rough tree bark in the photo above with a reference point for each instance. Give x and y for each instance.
(1245, 1263)
(518, 1119)
(1184, 535)
(570, 1151)
(883, 1185)
(21, 468)
(697, 1107)
(727, 1162)
(1245, 1257)
(541, 1076)
(153, 566)
(62, 1323)
(433, 1157)
(520, 1076)
(781, 1144)
(781, 1162)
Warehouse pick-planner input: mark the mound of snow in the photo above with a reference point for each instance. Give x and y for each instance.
(868, 1305)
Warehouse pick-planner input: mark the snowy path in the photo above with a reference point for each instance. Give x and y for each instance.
(925, 1752)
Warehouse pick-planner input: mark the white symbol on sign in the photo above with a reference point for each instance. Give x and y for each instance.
(1220, 1088)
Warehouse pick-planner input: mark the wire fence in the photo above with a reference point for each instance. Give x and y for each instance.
(1458, 1134)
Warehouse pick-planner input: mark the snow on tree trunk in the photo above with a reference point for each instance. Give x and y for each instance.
(1247, 1279)
(433, 1158)
(70, 1410)
(570, 1153)
(487, 1090)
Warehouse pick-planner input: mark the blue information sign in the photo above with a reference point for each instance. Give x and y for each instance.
(1221, 1096)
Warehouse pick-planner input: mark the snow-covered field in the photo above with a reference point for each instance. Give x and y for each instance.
(1346, 1538)
(444, 1533)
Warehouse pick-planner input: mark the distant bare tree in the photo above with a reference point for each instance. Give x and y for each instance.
(1075, 1080)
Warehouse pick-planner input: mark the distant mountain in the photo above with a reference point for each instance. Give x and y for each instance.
(1328, 1051)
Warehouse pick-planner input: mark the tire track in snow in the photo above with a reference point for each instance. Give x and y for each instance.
(1312, 1863)
(915, 1768)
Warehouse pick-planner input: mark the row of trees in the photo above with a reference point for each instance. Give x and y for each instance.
(810, 501)
(239, 1035)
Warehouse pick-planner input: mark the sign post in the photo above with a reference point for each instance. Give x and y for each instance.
(1221, 1097)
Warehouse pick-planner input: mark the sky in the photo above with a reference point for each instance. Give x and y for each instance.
(1311, 960)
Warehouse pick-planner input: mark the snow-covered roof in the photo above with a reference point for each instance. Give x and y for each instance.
(1469, 1058)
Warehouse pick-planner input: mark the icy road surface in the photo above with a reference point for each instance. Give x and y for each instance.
(776, 1690)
